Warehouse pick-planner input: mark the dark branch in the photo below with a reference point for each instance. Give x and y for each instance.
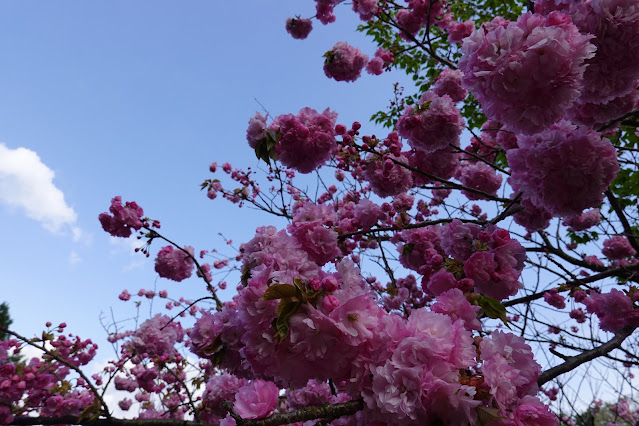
(326, 412)
(624, 220)
(74, 420)
(575, 361)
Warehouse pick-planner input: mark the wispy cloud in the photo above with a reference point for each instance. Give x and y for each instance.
(74, 258)
(26, 183)
(128, 245)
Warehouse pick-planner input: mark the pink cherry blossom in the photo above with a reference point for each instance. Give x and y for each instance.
(617, 247)
(432, 125)
(449, 82)
(527, 73)
(299, 28)
(564, 169)
(256, 130)
(479, 176)
(123, 219)
(175, 264)
(256, 400)
(386, 177)
(583, 221)
(457, 31)
(344, 62)
(307, 140)
(553, 298)
(441, 164)
(365, 8)
(157, 336)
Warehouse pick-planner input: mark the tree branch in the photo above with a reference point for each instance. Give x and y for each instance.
(573, 362)
(105, 408)
(326, 412)
(624, 220)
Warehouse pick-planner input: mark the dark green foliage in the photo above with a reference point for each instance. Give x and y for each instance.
(5, 320)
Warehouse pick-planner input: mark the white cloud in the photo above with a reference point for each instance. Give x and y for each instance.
(74, 258)
(128, 245)
(27, 183)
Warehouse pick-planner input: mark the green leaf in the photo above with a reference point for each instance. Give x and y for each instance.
(493, 309)
(286, 309)
(265, 147)
(407, 248)
(280, 291)
(91, 412)
(246, 274)
(486, 415)
(213, 347)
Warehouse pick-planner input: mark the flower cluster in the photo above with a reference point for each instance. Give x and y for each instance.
(175, 264)
(432, 125)
(306, 140)
(157, 336)
(388, 177)
(449, 82)
(308, 228)
(381, 59)
(123, 219)
(526, 74)
(564, 169)
(614, 309)
(299, 28)
(617, 247)
(344, 62)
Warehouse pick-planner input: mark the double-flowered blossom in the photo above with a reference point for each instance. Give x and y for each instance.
(157, 336)
(440, 164)
(310, 226)
(367, 213)
(299, 28)
(344, 62)
(612, 72)
(386, 177)
(480, 176)
(457, 239)
(417, 375)
(306, 140)
(553, 298)
(381, 59)
(256, 130)
(454, 304)
(614, 309)
(434, 124)
(420, 249)
(564, 169)
(458, 31)
(449, 82)
(532, 218)
(496, 270)
(256, 400)
(617, 247)
(583, 221)
(509, 368)
(596, 114)
(417, 14)
(526, 74)
(324, 10)
(365, 8)
(219, 388)
(123, 219)
(175, 264)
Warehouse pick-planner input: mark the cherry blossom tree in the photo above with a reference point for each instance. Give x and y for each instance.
(476, 263)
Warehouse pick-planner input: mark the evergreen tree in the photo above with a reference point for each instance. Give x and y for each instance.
(5, 319)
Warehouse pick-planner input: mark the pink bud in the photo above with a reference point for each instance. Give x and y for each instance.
(329, 303)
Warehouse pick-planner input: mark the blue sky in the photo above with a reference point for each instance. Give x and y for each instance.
(136, 99)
